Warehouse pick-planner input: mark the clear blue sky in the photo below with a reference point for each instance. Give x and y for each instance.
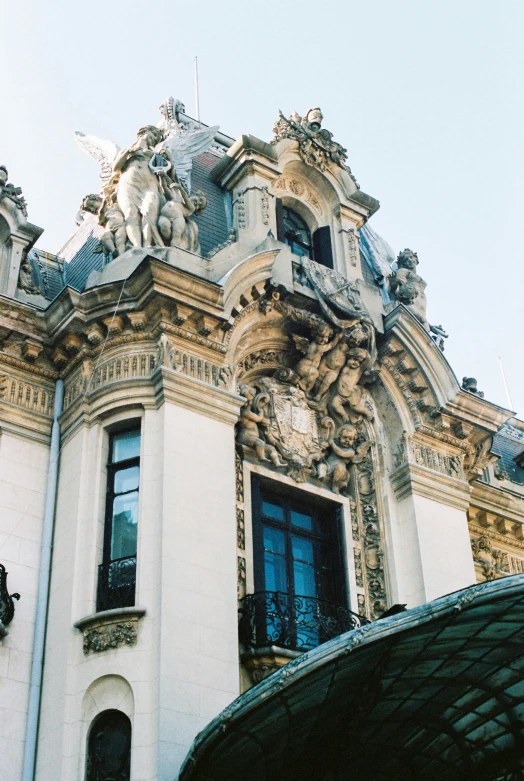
(425, 94)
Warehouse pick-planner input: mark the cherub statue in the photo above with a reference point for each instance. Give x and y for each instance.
(407, 287)
(308, 367)
(348, 392)
(248, 433)
(343, 452)
(174, 223)
(330, 367)
(113, 241)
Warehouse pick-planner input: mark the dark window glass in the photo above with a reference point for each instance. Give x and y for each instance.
(297, 234)
(297, 555)
(109, 748)
(116, 576)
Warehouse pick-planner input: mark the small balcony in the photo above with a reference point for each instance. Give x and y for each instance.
(116, 584)
(293, 623)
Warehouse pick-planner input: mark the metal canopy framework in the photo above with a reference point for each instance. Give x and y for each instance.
(436, 692)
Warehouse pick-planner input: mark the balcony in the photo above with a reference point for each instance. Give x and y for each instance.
(293, 623)
(116, 584)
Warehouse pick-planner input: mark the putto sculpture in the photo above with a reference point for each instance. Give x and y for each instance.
(309, 416)
(315, 143)
(146, 188)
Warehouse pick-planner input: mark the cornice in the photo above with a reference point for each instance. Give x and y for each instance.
(414, 479)
(197, 396)
(498, 501)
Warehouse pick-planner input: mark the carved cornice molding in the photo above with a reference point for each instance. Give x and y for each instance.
(197, 396)
(26, 366)
(415, 479)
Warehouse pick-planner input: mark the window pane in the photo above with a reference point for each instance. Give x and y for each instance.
(302, 549)
(273, 511)
(274, 540)
(126, 445)
(274, 572)
(125, 519)
(126, 480)
(304, 575)
(301, 520)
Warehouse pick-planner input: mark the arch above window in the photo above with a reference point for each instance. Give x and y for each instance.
(109, 747)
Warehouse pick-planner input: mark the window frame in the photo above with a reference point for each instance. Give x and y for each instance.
(104, 568)
(324, 513)
(291, 241)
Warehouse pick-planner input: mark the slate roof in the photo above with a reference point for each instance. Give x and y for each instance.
(509, 444)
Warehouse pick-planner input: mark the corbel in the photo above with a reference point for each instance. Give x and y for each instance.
(114, 325)
(31, 349)
(94, 334)
(138, 320)
(72, 342)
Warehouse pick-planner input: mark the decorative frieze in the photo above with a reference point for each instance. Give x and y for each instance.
(414, 452)
(270, 358)
(101, 638)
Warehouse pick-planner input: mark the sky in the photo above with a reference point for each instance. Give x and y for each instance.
(424, 94)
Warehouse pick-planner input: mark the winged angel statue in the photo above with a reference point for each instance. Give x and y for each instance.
(146, 197)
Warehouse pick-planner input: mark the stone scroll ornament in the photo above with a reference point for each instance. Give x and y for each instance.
(308, 417)
(146, 198)
(315, 144)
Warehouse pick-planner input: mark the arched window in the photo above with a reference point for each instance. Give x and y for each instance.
(297, 234)
(109, 747)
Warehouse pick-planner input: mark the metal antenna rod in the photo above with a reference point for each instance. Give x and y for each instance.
(197, 101)
(506, 385)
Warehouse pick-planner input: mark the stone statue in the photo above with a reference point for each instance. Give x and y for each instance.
(25, 279)
(308, 368)
(137, 188)
(11, 195)
(343, 453)
(469, 384)
(348, 392)
(144, 179)
(248, 433)
(330, 367)
(113, 241)
(174, 223)
(407, 287)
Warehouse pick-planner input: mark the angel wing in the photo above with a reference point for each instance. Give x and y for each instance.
(301, 343)
(101, 150)
(183, 147)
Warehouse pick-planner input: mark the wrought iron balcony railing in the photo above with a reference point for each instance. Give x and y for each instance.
(7, 606)
(294, 622)
(116, 583)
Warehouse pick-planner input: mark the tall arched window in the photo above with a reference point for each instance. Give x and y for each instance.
(297, 234)
(109, 747)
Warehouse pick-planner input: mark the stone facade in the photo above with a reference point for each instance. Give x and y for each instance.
(252, 362)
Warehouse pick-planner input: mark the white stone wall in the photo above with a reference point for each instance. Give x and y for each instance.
(433, 555)
(23, 477)
(184, 668)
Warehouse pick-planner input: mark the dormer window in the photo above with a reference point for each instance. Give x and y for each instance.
(293, 231)
(297, 234)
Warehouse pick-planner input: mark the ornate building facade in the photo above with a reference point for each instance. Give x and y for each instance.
(228, 435)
